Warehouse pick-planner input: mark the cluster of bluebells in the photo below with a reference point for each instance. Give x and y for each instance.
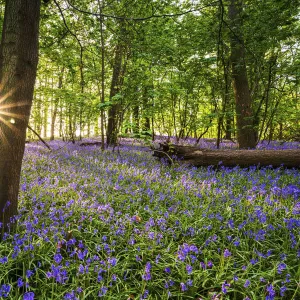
(101, 223)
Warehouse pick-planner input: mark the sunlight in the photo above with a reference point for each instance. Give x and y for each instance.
(9, 118)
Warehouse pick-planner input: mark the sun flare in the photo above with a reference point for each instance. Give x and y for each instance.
(8, 117)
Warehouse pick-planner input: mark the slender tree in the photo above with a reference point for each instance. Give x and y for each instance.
(18, 66)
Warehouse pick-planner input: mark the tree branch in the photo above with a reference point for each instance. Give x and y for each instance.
(142, 18)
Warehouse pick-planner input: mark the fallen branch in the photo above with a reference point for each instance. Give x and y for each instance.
(40, 138)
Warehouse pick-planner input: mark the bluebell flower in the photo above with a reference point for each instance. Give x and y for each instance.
(81, 269)
(57, 258)
(103, 291)
(183, 287)
(3, 260)
(189, 269)
(209, 264)
(29, 273)
(271, 290)
(167, 270)
(28, 296)
(145, 295)
(147, 275)
(189, 282)
(282, 290)
(247, 283)
(225, 285)
(296, 209)
(203, 265)
(227, 253)
(281, 267)
(20, 282)
(4, 290)
(112, 261)
(70, 296)
(287, 278)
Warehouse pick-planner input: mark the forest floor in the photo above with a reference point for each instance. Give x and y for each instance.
(123, 225)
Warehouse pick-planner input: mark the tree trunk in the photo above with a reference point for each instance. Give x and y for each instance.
(146, 105)
(229, 158)
(55, 108)
(136, 118)
(243, 101)
(102, 100)
(116, 82)
(18, 65)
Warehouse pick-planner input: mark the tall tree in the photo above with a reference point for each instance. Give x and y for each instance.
(18, 66)
(116, 83)
(243, 102)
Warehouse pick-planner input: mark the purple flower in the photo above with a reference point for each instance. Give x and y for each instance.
(112, 261)
(271, 290)
(28, 296)
(4, 290)
(189, 282)
(3, 260)
(262, 279)
(296, 209)
(194, 249)
(29, 273)
(114, 277)
(247, 283)
(147, 275)
(20, 282)
(183, 287)
(81, 269)
(281, 267)
(138, 258)
(189, 269)
(58, 258)
(168, 270)
(282, 290)
(227, 253)
(103, 291)
(157, 258)
(145, 294)
(225, 285)
(70, 296)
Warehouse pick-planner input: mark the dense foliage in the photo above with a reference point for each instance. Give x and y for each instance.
(124, 226)
(167, 68)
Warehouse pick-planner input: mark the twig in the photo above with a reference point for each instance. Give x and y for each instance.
(40, 138)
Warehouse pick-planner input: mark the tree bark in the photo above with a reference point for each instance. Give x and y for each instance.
(116, 82)
(55, 104)
(243, 101)
(18, 65)
(229, 158)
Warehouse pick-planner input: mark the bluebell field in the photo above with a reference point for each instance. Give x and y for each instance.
(109, 225)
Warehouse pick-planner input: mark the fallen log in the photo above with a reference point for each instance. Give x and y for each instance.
(90, 144)
(229, 158)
